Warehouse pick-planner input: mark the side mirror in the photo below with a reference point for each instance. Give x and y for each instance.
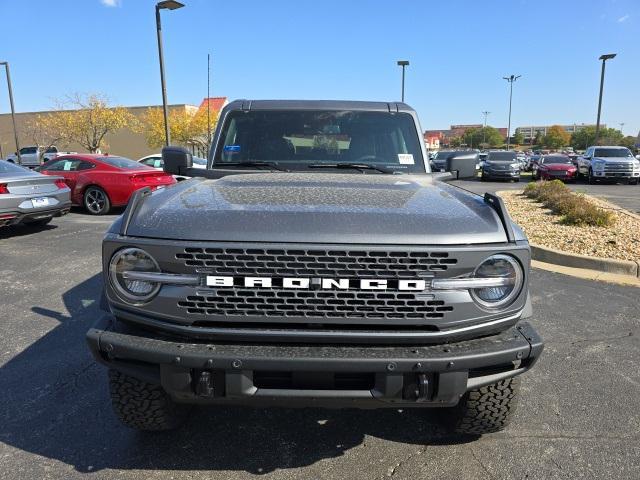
(638, 157)
(463, 166)
(177, 160)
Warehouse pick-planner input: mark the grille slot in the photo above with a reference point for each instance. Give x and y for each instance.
(239, 302)
(316, 262)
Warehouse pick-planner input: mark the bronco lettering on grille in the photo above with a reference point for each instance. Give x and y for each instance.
(317, 283)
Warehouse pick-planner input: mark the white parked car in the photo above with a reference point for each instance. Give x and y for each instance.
(155, 161)
(30, 156)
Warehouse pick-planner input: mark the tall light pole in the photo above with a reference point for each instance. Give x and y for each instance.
(403, 64)
(484, 129)
(621, 127)
(510, 79)
(604, 59)
(13, 111)
(169, 5)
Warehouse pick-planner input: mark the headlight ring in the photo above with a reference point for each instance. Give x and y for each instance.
(133, 259)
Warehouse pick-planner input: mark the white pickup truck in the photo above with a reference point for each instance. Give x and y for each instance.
(30, 156)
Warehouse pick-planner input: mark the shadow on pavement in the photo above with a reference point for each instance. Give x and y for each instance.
(56, 405)
(22, 230)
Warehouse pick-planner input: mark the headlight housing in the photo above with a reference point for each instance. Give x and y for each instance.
(498, 266)
(598, 165)
(636, 164)
(136, 260)
(515, 166)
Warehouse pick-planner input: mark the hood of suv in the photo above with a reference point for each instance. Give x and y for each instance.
(318, 207)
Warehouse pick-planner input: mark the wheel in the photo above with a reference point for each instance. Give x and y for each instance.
(41, 222)
(486, 409)
(483, 177)
(144, 406)
(633, 182)
(592, 179)
(96, 201)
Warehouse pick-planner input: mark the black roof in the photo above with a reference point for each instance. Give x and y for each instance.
(318, 105)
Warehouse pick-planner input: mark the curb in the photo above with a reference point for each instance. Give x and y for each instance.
(573, 260)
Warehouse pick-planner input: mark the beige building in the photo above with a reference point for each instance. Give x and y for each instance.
(125, 142)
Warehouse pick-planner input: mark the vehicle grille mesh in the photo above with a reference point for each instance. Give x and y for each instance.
(316, 263)
(316, 305)
(329, 304)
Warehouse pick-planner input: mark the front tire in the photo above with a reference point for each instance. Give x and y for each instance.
(96, 201)
(144, 406)
(592, 179)
(486, 409)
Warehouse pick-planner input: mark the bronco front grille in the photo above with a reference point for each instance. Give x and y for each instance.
(243, 302)
(316, 262)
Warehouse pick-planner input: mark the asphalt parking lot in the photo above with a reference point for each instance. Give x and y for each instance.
(579, 415)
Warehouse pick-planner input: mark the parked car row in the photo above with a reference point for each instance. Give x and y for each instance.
(34, 156)
(27, 197)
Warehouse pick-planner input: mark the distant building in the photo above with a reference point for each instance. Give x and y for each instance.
(530, 132)
(124, 142)
(444, 136)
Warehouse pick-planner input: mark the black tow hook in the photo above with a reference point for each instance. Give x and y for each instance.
(422, 387)
(204, 384)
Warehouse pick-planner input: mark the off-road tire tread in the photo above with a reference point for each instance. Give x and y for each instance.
(144, 406)
(488, 409)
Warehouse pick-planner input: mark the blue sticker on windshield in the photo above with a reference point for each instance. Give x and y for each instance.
(232, 148)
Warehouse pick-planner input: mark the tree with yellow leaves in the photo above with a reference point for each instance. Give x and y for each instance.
(47, 130)
(186, 127)
(91, 118)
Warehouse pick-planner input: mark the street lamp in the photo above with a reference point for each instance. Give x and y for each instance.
(484, 129)
(169, 5)
(510, 79)
(13, 111)
(403, 64)
(604, 58)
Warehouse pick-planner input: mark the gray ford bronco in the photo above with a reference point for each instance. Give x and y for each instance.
(315, 262)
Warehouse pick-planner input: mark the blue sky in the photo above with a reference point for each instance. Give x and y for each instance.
(459, 52)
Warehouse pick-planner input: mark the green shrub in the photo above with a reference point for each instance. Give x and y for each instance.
(575, 209)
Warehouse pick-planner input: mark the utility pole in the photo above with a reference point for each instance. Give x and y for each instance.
(168, 5)
(403, 64)
(484, 129)
(510, 79)
(208, 103)
(13, 111)
(604, 59)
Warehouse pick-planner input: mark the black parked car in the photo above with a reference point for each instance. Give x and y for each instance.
(501, 165)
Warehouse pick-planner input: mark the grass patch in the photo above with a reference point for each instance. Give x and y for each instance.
(574, 208)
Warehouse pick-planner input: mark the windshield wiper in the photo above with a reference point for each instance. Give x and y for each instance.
(251, 163)
(355, 166)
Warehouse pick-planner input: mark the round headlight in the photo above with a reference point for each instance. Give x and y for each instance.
(502, 267)
(133, 260)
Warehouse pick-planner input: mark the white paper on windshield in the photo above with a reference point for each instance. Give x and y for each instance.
(405, 159)
(67, 165)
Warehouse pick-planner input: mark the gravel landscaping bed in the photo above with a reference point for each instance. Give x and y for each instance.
(620, 241)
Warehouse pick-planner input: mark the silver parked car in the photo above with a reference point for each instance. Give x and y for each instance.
(30, 197)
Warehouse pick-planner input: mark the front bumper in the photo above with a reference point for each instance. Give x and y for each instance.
(502, 173)
(314, 375)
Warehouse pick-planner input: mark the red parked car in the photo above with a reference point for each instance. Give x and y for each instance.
(550, 167)
(99, 182)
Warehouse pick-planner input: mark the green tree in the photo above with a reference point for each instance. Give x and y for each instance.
(556, 137)
(538, 138)
(518, 138)
(483, 137)
(586, 137)
(455, 141)
(629, 142)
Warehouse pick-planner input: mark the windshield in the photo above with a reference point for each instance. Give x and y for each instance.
(555, 159)
(297, 139)
(8, 169)
(501, 156)
(612, 152)
(121, 162)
